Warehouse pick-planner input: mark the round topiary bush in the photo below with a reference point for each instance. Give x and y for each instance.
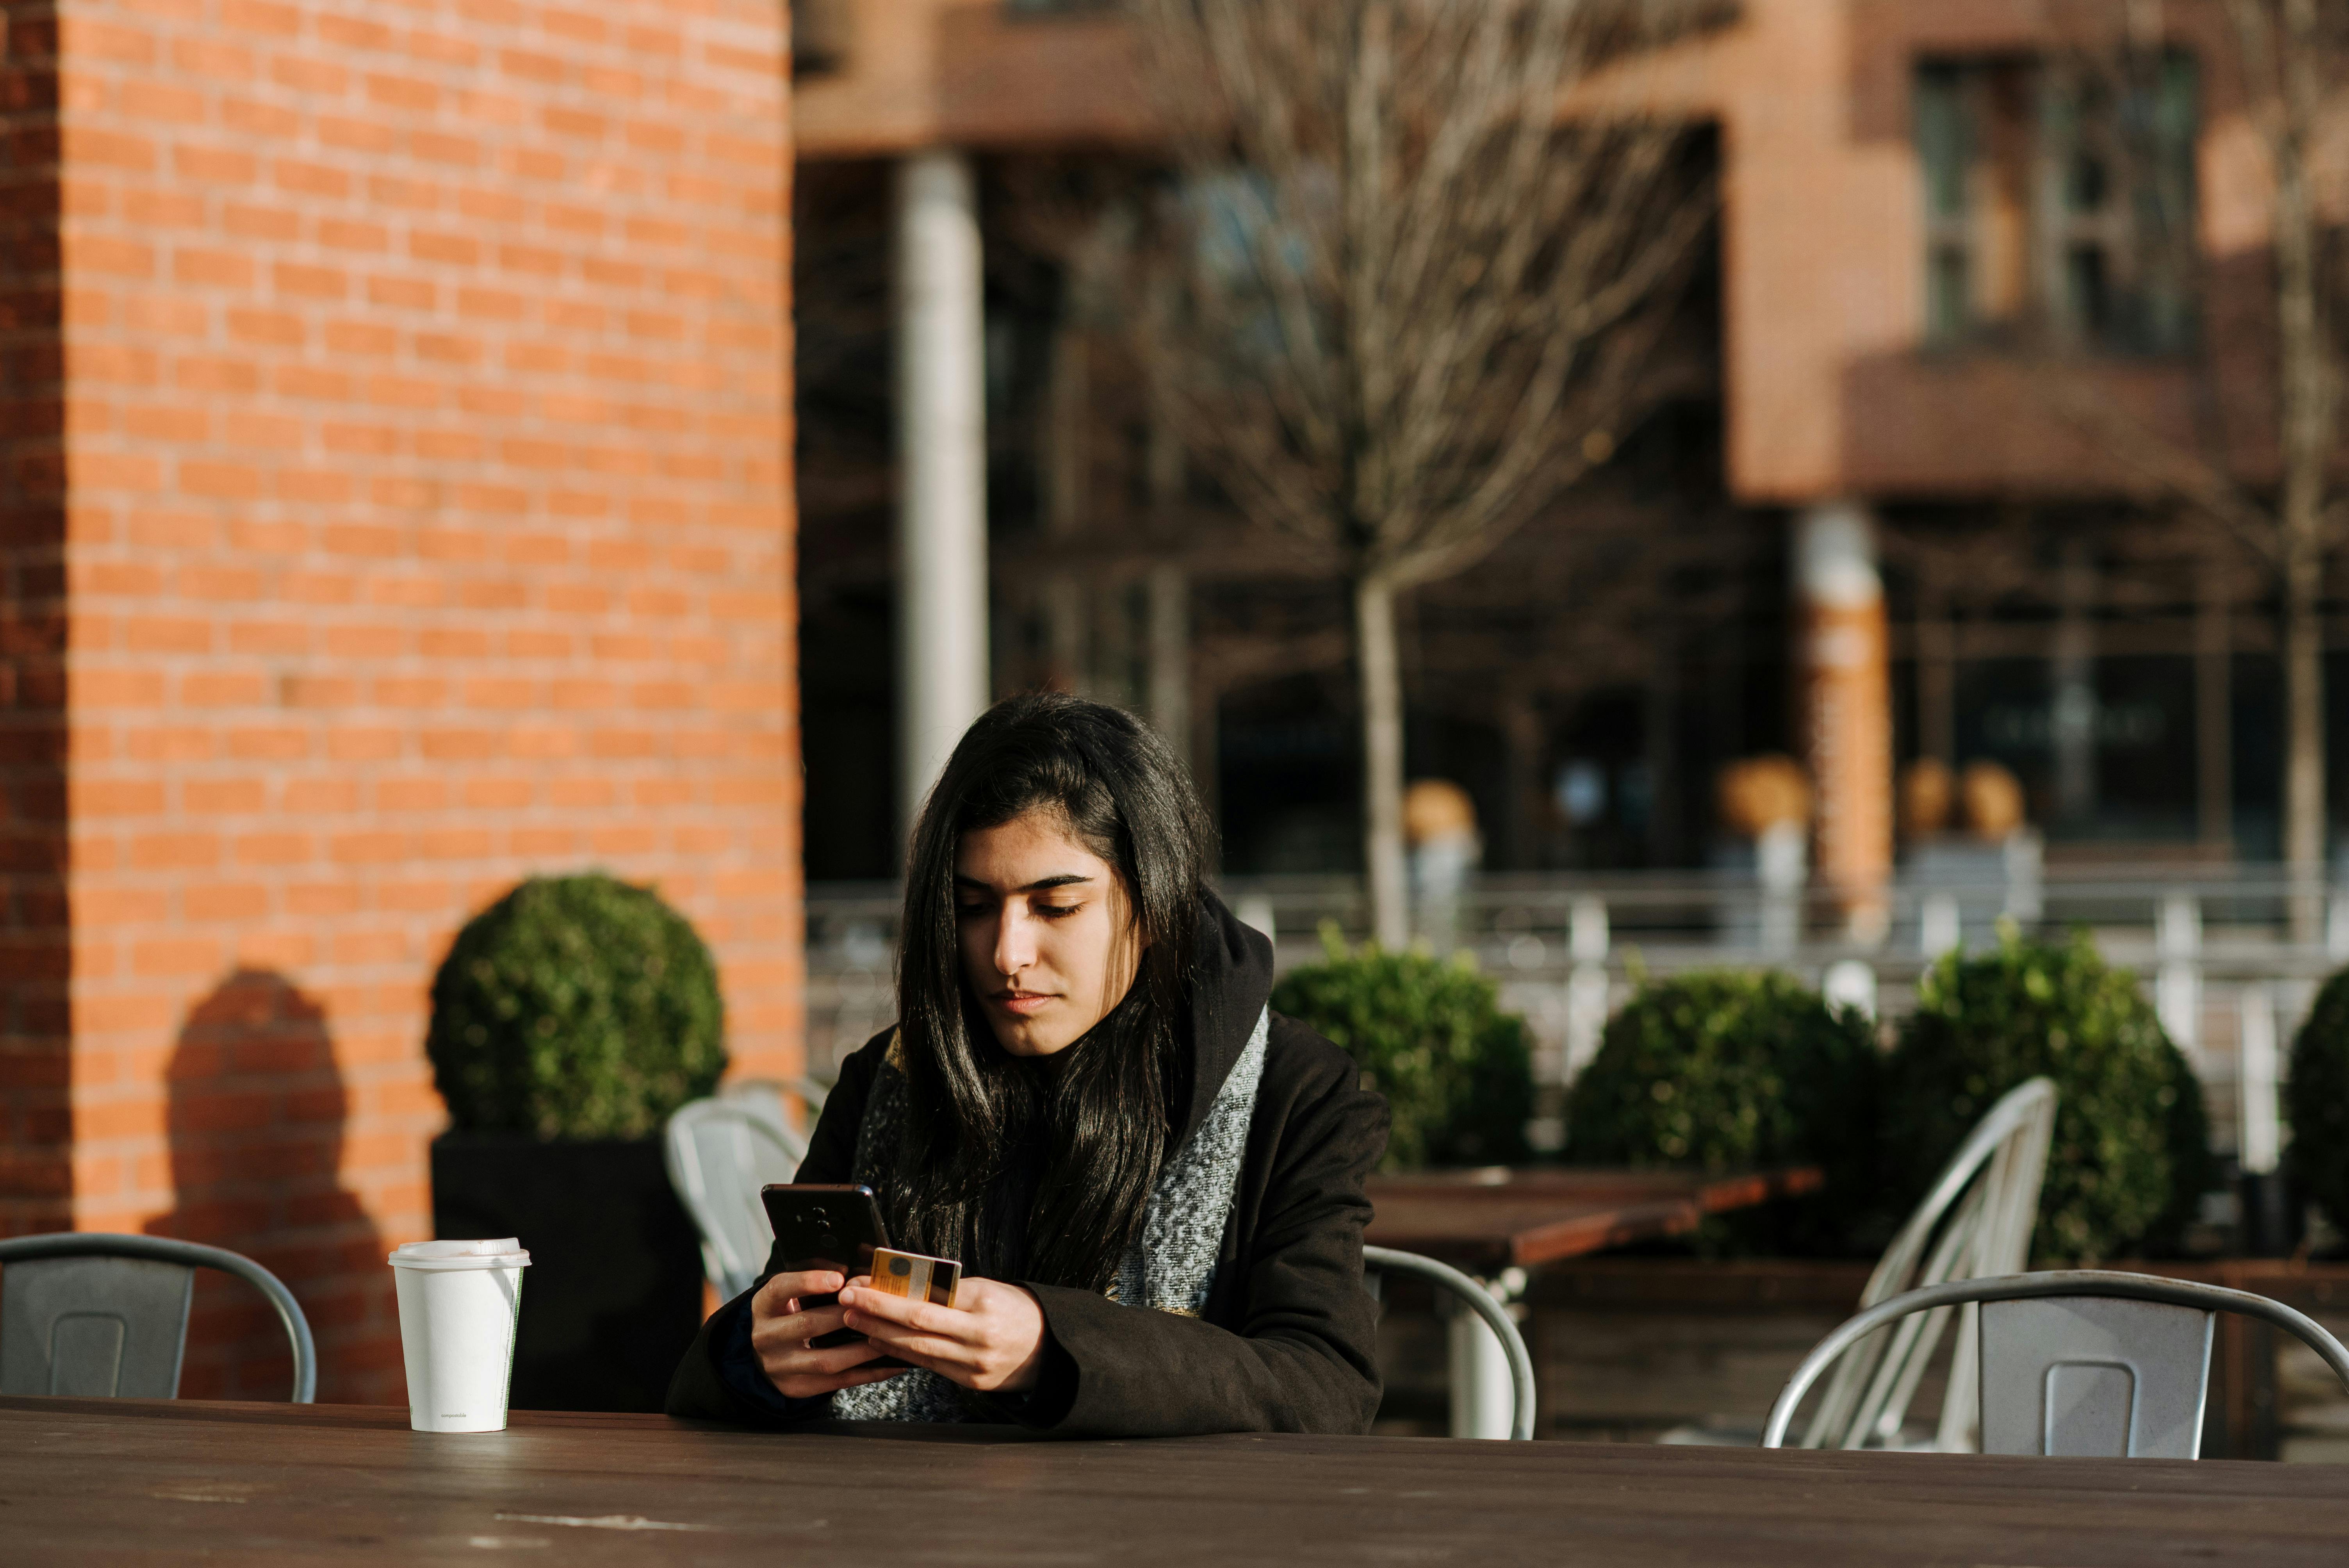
(2316, 1103)
(575, 1008)
(1726, 1070)
(1429, 1035)
(2131, 1156)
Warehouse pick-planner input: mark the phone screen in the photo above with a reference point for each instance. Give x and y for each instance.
(821, 1227)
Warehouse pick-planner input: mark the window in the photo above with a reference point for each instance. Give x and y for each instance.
(820, 36)
(1945, 152)
(2059, 201)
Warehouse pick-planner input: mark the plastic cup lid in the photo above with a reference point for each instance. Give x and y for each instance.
(504, 1253)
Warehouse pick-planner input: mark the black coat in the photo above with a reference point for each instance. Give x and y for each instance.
(1287, 1340)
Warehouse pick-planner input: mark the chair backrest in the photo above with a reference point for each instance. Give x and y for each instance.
(2079, 1363)
(1480, 1300)
(781, 1092)
(719, 1152)
(1975, 1221)
(90, 1313)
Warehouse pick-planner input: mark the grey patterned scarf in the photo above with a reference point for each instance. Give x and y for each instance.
(1171, 1264)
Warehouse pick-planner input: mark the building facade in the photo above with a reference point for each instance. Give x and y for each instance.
(1896, 504)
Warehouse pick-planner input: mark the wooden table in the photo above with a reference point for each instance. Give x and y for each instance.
(133, 1482)
(1487, 1221)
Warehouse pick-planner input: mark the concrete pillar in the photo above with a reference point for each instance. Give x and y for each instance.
(2178, 984)
(942, 647)
(1847, 708)
(1587, 942)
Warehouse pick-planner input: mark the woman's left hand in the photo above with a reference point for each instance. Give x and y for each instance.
(991, 1340)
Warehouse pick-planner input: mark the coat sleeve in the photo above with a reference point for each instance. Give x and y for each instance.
(700, 1388)
(1302, 1355)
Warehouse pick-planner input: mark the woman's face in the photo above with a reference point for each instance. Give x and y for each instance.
(1046, 930)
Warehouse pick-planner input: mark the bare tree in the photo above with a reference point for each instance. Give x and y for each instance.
(2286, 47)
(2286, 55)
(1411, 296)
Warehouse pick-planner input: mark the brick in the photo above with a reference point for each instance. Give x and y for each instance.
(268, 743)
(345, 234)
(299, 178)
(160, 209)
(366, 848)
(92, 798)
(259, 120)
(171, 425)
(98, 255)
(309, 281)
(170, 852)
(211, 269)
(273, 849)
(402, 292)
(223, 481)
(214, 165)
(210, 59)
(167, 634)
(225, 901)
(429, 794)
(173, 957)
(88, 146)
(313, 77)
(319, 795)
(254, 221)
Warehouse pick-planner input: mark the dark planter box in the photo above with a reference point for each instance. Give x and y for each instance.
(2274, 1212)
(612, 1295)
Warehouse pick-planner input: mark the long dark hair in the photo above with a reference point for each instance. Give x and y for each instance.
(1040, 1169)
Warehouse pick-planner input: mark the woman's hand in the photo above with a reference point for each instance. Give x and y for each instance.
(991, 1340)
(780, 1332)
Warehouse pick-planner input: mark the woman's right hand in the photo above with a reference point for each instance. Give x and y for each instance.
(780, 1332)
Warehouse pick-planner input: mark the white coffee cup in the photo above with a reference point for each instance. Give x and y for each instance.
(459, 1302)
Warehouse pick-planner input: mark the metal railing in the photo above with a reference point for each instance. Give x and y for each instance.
(2214, 947)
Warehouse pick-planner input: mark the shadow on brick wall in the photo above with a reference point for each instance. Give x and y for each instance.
(256, 1115)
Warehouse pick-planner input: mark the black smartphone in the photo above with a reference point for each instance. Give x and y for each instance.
(819, 1227)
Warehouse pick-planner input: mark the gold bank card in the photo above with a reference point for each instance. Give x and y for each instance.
(916, 1277)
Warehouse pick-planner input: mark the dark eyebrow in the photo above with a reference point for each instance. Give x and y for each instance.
(1068, 879)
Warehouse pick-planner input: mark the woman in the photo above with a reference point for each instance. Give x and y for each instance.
(1154, 1183)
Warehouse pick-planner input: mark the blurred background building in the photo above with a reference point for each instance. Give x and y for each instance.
(1859, 527)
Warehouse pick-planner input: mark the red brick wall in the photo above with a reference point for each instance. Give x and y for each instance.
(426, 524)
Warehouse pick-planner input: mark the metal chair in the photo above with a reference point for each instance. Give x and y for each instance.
(1480, 1300)
(720, 1152)
(772, 1093)
(94, 1314)
(1975, 1221)
(2078, 1363)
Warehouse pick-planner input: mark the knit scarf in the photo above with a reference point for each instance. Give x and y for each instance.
(1171, 1264)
